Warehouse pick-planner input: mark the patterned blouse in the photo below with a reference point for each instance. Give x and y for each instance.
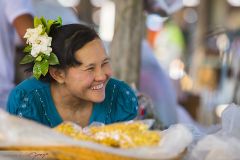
(32, 99)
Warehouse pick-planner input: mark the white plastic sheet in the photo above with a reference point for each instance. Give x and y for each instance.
(223, 145)
(21, 132)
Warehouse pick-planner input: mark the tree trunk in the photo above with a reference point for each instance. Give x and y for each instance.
(199, 49)
(125, 48)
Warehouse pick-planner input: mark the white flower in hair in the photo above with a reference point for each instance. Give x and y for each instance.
(41, 45)
(32, 34)
(40, 42)
(38, 49)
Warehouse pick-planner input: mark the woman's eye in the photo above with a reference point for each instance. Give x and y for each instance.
(107, 62)
(90, 69)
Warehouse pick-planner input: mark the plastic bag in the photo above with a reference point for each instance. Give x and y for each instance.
(223, 145)
(25, 135)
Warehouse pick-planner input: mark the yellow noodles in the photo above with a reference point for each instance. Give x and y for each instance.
(120, 135)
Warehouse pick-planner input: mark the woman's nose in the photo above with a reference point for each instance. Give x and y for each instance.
(100, 75)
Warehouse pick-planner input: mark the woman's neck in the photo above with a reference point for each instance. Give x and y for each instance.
(71, 108)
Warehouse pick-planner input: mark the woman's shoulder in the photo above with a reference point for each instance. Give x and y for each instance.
(30, 85)
(121, 87)
(123, 98)
(27, 99)
(25, 91)
(115, 83)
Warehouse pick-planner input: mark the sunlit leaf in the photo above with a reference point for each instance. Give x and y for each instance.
(37, 22)
(49, 24)
(39, 58)
(37, 70)
(44, 66)
(44, 23)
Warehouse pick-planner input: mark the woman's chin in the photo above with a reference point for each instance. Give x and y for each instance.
(97, 98)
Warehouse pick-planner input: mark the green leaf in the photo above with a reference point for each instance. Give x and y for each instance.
(49, 24)
(39, 58)
(44, 66)
(27, 59)
(40, 68)
(58, 22)
(43, 21)
(27, 49)
(53, 60)
(44, 56)
(37, 22)
(37, 70)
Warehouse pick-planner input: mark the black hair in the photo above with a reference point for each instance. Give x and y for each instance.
(66, 40)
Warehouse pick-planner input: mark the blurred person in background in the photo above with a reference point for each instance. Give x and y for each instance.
(160, 89)
(155, 83)
(15, 15)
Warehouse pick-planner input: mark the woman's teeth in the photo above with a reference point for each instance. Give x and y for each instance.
(100, 86)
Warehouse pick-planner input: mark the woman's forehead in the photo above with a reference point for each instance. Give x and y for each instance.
(92, 51)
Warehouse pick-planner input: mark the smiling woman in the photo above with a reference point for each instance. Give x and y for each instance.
(78, 89)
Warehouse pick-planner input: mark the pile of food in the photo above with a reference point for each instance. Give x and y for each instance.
(120, 135)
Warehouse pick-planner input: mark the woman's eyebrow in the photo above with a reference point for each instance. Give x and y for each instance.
(89, 65)
(106, 59)
(92, 64)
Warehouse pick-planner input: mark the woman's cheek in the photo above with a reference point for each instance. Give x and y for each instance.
(109, 72)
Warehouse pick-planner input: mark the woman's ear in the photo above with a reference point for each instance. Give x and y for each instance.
(57, 74)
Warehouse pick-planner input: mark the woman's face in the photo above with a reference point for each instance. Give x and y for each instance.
(88, 80)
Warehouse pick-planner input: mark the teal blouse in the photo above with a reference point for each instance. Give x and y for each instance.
(32, 99)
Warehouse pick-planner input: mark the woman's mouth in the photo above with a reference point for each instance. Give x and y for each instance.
(98, 87)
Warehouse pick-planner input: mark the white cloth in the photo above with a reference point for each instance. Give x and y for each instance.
(51, 9)
(9, 10)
